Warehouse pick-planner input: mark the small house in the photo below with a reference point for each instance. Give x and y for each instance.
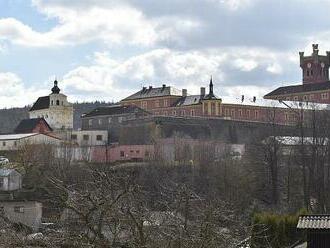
(10, 180)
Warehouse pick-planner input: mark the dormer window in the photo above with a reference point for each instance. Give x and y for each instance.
(58, 102)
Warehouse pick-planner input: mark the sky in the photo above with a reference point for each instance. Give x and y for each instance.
(108, 49)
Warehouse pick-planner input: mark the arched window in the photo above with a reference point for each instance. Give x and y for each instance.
(57, 102)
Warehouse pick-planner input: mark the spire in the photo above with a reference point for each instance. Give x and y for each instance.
(211, 87)
(55, 89)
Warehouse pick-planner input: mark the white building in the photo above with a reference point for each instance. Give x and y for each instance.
(28, 213)
(10, 180)
(55, 109)
(15, 141)
(89, 137)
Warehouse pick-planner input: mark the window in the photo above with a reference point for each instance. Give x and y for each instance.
(131, 151)
(99, 137)
(90, 122)
(324, 96)
(122, 154)
(157, 104)
(165, 102)
(307, 73)
(52, 102)
(15, 143)
(311, 97)
(57, 102)
(1, 182)
(100, 121)
(232, 113)
(18, 209)
(144, 105)
(240, 113)
(120, 119)
(2, 210)
(286, 116)
(256, 114)
(227, 112)
(137, 151)
(248, 113)
(4, 143)
(192, 112)
(288, 98)
(73, 136)
(295, 98)
(165, 113)
(85, 137)
(109, 120)
(174, 112)
(305, 98)
(183, 113)
(311, 72)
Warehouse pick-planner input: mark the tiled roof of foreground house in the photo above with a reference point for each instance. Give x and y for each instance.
(287, 90)
(314, 222)
(27, 125)
(114, 110)
(154, 92)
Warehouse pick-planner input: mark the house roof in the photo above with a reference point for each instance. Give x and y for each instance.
(6, 172)
(154, 92)
(41, 103)
(27, 125)
(314, 222)
(298, 89)
(114, 110)
(189, 100)
(16, 136)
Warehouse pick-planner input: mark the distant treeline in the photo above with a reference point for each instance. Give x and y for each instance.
(9, 118)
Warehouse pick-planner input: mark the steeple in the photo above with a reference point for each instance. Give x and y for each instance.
(211, 95)
(55, 89)
(211, 88)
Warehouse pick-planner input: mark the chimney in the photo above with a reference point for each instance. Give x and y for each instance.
(203, 91)
(184, 92)
(150, 87)
(164, 85)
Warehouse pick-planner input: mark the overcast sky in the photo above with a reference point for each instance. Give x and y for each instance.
(108, 49)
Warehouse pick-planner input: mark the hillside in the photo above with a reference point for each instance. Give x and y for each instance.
(9, 118)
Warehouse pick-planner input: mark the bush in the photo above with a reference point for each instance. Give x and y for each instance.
(276, 231)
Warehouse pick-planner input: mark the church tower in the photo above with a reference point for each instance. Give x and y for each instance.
(315, 68)
(55, 109)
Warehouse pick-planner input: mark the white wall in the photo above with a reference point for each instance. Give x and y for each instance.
(6, 145)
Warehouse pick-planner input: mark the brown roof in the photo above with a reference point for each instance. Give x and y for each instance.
(314, 222)
(27, 125)
(298, 89)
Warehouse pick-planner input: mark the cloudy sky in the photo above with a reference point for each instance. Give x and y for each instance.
(107, 49)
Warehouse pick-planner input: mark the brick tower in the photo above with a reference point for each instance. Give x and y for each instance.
(315, 68)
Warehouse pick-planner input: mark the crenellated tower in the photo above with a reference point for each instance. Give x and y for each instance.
(315, 68)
